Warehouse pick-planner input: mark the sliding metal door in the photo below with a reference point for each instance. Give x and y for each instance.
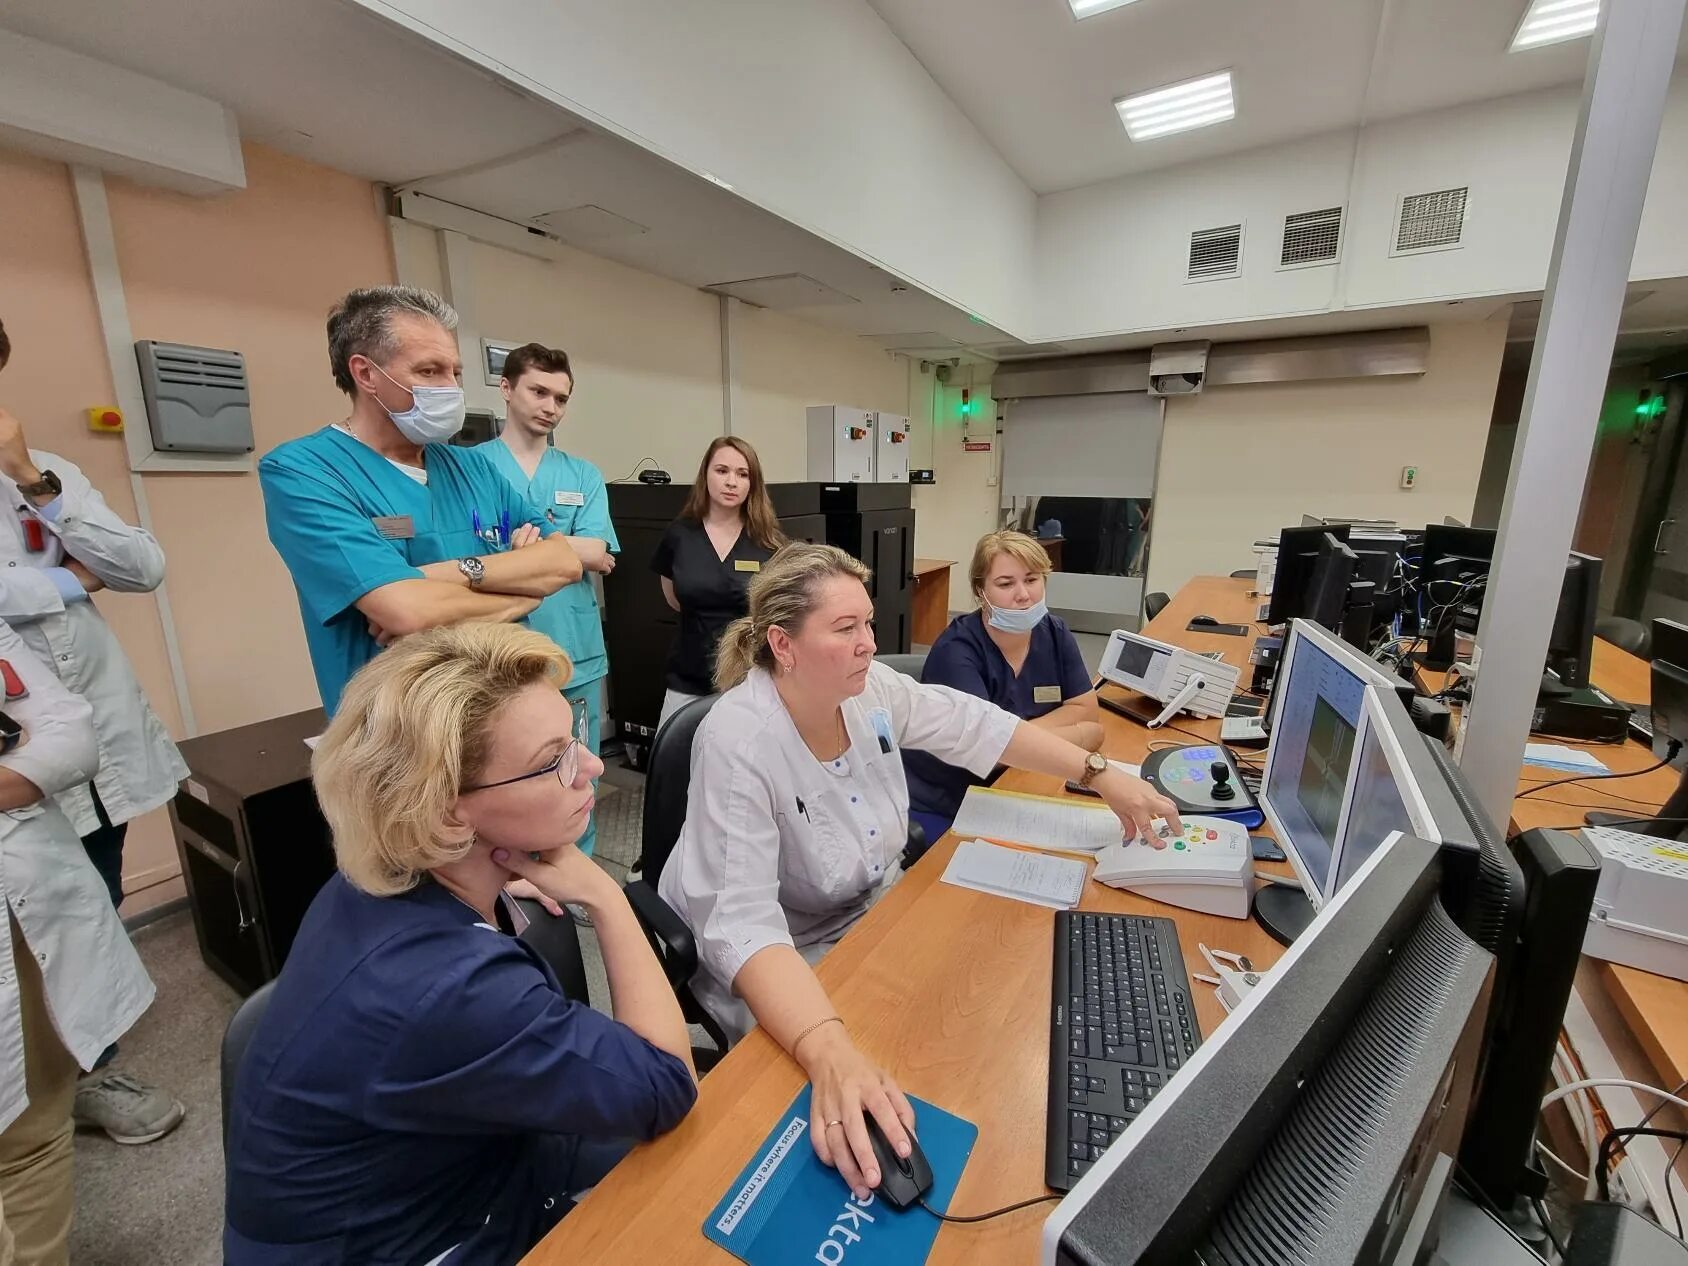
(1086, 463)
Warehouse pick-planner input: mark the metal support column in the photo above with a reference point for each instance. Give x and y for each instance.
(1605, 186)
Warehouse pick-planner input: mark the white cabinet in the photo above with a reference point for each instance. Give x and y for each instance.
(841, 445)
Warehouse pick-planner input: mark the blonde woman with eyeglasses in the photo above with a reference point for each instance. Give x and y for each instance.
(419, 1089)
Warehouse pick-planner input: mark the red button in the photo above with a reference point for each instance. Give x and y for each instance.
(1213, 835)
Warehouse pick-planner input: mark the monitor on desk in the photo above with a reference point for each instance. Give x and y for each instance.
(1298, 556)
(1319, 1122)
(1318, 711)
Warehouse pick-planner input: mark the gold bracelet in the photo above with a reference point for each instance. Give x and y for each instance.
(805, 1033)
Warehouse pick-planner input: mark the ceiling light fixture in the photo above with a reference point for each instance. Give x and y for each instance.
(1178, 107)
(1090, 8)
(1555, 21)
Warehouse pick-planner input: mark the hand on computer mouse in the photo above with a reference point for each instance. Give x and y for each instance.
(847, 1087)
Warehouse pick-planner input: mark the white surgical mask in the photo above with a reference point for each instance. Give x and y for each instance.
(435, 413)
(1013, 620)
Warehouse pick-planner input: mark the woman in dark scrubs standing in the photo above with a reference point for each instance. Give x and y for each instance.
(724, 534)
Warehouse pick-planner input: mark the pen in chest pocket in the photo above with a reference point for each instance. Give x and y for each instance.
(804, 810)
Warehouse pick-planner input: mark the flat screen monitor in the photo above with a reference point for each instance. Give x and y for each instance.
(1570, 646)
(1298, 556)
(1319, 1122)
(1316, 714)
(1384, 795)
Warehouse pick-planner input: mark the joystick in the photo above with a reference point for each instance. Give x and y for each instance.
(1222, 788)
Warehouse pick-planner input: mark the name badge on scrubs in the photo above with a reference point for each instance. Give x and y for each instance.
(746, 564)
(395, 527)
(570, 498)
(1046, 694)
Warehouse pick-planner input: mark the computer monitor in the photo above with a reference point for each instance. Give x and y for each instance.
(1452, 570)
(1298, 553)
(1334, 568)
(1384, 796)
(1570, 646)
(1320, 1120)
(1318, 704)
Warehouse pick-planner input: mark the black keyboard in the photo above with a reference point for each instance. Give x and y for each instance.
(1123, 1022)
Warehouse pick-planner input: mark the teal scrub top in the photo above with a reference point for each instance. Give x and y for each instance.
(346, 521)
(570, 493)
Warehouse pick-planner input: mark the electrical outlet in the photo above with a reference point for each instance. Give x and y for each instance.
(1409, 476)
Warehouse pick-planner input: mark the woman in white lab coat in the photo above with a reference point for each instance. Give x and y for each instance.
(799, 813)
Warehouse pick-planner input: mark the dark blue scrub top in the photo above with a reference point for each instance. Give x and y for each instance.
(965, 657)
(419, 1081)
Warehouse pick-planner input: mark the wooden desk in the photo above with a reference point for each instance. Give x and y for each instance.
(1054, 546)
(946, 988)
(931, 599)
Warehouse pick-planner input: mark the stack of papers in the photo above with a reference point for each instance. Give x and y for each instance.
(1056, 882)
(1558, 756)
(1058, 822)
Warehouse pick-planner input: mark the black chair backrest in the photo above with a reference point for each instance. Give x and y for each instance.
(668, 779)
(1626, 634)
(908, 665)
(1154, 604)
(236, 1038)
(1247, 573)
(558, 943)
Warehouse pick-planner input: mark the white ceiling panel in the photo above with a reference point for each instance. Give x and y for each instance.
(1040, 84)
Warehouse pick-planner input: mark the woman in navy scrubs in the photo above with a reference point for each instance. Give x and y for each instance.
(707, 558)
(1012, 652)
(419, 1089)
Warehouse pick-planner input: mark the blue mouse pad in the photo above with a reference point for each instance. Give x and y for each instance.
(787, 1207)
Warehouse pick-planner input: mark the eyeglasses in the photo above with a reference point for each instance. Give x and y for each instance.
(566, 763)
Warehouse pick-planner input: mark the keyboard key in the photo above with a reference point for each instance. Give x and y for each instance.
(1078, 1124)
(1096, 1083)
(1116, 1124)
(1079, 1149)
(1076, 1168)
(1096, 1151)
(1077, 1098)
(1135, 1105)
(1096, 1121)
(1121, 1054)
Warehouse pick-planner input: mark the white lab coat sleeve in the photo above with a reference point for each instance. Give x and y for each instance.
(958, 728)
(127, 558)
(28, 594)
(60, 750)
(729, 860)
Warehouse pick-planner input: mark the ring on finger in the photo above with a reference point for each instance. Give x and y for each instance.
(830, 1124)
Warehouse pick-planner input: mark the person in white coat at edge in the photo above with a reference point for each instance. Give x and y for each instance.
(798, 815)
(70, 983)
(61, 545)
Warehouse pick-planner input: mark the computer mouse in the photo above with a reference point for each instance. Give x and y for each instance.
(902, 1180)
(1202, 621)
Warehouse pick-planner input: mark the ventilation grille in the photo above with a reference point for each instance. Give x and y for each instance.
(1312, 237)
(195, 367)
(1431, 221)
(1216, 253)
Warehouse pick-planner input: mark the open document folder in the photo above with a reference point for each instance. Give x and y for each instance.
(1054, 822)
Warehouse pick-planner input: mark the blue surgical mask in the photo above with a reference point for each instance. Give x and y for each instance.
(435, 413)
(1012, 620)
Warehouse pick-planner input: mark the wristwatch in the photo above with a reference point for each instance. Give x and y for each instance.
(473, 569)
(1094, 764)
(49, 486)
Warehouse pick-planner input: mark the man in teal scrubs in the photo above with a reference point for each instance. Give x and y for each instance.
(569, 492)
(385, 527)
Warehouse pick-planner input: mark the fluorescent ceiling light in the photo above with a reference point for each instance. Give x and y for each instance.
(1090, 8)
(1554, 21)
(1178, 108)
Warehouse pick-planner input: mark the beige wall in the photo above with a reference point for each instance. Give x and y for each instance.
(782, 366)
(256, 271)
(647, 355)
(1239, 463)
(961, 505)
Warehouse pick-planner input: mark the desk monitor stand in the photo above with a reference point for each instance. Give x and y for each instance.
(1283, 911)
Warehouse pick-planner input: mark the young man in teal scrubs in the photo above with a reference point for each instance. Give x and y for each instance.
(386, 528)
(569, 492)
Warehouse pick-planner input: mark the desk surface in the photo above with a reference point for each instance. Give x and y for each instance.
(949, 990)
(924, 565)
(946, 988)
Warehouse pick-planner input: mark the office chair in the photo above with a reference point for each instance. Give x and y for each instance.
(1154, 604)
(907, 665)
(1247, 573)
(1626, 634)
(236, 1038)
(668, 775)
